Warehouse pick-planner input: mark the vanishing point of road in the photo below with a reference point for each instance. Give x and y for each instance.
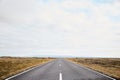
(60, 69)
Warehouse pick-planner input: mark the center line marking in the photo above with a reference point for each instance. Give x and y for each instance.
(60, 76)
(59, 64)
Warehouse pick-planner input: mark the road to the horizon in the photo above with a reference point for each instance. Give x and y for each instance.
(60, 69)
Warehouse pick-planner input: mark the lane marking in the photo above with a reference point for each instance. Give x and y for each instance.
(60, 65)
(26, 71)
(60, 76)
(94, 71)
(99, 73)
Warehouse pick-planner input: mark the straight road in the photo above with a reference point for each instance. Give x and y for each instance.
(60, 69)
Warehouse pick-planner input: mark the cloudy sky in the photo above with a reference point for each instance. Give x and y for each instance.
(85, 28)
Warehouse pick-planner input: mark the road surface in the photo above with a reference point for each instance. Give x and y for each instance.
(60, 70)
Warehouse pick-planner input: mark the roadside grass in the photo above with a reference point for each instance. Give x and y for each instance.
(10, 66)
(108, 66)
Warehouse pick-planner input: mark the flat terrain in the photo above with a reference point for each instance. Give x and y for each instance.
(109, 66)
(10, 66)
(60, 69)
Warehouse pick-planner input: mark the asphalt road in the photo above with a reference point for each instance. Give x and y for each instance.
(60, 70)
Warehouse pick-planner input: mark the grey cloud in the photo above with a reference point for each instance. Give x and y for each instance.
(36, 28)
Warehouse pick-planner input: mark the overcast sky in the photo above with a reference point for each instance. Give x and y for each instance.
(85, 28)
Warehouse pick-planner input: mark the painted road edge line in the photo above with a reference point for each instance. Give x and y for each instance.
(25, 71)
(99, 73)
(95, 71)
(21, 73)
(60, 76)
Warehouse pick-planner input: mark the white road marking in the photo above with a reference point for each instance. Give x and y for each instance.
(94, 71)
(25, 71)
(59, 64)
(60, 76)
(21, 73)
(99, 73)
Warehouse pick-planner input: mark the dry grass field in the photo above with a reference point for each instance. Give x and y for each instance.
(109, 66)
(10, 66)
